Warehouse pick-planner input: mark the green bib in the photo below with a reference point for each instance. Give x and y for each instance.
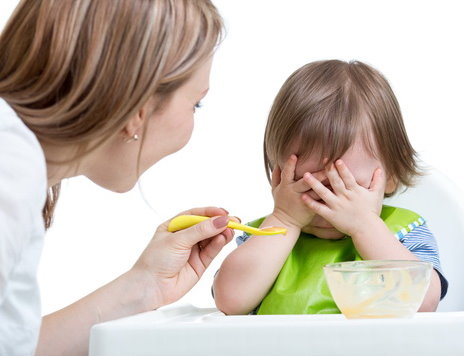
(300, 287)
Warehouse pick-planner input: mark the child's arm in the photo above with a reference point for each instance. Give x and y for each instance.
(382, 245)
(355, 210)
(248, 273)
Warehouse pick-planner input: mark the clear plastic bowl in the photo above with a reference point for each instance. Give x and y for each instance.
(378, 289)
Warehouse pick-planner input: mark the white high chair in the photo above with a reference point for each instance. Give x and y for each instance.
(441, 203)
(187, 330)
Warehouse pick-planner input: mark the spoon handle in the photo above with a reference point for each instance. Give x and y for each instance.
(237, 226)
(185, 221)
(182, 222)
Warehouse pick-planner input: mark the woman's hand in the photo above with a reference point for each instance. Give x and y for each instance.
(288, 206)
(169, 267)
(174, 262)
(349, 206)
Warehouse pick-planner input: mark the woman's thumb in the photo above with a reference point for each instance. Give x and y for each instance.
(205, 229)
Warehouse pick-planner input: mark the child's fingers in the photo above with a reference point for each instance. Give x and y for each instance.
(316, 207)
(320, 175)
(275, 178)
(303, 186)
(320, 189)
(335, 180)
(378, 181)
(345, 174)
(288, 173)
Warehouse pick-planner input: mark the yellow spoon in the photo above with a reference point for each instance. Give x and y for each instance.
(184, 221)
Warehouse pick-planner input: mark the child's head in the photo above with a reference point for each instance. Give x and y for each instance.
(334, 109)
(326, 109)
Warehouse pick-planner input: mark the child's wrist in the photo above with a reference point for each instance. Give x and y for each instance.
(366, 227)
(285, 220)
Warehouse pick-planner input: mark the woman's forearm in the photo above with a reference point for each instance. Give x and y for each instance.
(248, 273)
(67, 331)
(376, 242)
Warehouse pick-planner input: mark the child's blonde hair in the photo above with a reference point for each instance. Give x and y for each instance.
(324, 106)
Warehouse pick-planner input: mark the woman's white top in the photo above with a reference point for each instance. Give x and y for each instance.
(23, 186)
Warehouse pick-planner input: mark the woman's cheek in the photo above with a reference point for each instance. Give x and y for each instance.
(182, 131)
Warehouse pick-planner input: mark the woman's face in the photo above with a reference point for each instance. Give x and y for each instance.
(361, 164)
(170, 128)
(115, 165)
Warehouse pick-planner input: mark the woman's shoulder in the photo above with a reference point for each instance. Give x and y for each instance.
(22, 161)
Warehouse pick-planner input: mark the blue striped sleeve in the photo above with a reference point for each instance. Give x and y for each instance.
(242, 238)
(421, 242)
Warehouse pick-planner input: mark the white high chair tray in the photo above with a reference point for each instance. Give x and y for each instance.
(187, 330)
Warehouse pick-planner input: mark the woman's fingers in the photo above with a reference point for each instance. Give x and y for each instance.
(204, 252)
(210, 248)
(345, 174)
(210, 251)
(206, 211)
(189, 237)
(208, 229)
(203, 230)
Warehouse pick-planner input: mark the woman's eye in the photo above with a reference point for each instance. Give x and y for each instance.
(197, 106)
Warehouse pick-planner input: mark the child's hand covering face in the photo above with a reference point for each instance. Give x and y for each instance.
(348, 205)
(289, 208)
(362, 165)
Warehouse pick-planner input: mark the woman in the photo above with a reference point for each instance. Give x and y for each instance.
(103, 89)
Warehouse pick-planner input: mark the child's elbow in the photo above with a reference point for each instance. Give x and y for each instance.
(226, 306)
(432, 298)
(429, 306)
(227, 301)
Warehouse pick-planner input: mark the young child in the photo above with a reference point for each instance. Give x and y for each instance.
(336, 145)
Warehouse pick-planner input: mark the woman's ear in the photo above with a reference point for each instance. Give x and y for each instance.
(134, 125)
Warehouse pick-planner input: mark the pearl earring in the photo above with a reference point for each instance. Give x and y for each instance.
(133, 138)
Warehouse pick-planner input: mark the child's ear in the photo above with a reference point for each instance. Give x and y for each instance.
(275, 176)
(391, 185)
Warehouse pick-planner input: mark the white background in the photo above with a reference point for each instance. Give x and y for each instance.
(417, 45)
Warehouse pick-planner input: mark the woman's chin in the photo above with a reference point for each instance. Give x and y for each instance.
(117, 187)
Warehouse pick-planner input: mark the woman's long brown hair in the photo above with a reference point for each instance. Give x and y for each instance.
(75, 71)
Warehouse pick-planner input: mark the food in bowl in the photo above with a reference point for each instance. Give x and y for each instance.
(378, 289)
